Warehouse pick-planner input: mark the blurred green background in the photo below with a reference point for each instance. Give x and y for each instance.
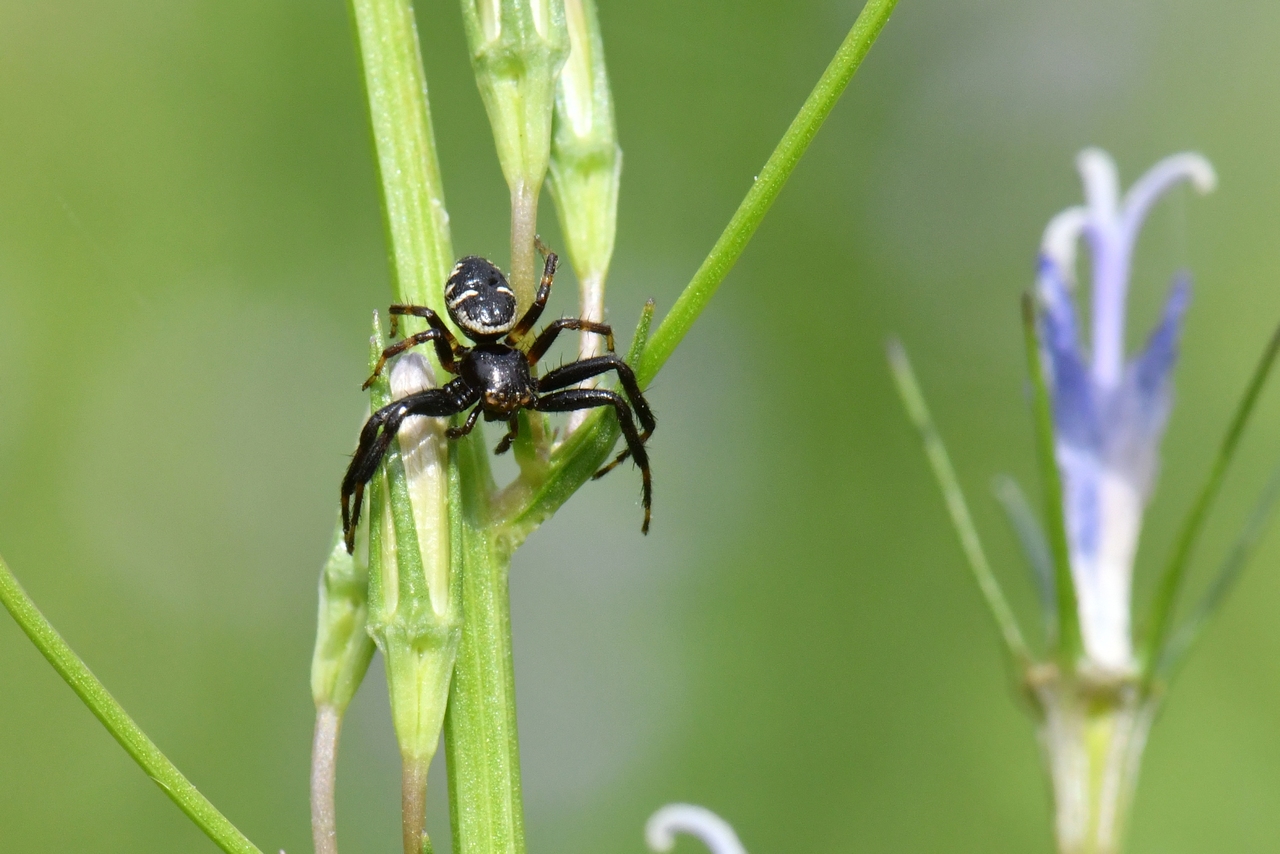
(190, 247)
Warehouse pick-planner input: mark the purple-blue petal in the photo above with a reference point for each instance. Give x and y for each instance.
(1149, 374)
(1074, 408)
(1139, 409)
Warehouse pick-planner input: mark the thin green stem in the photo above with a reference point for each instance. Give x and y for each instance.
(135, 742)
(524, 230)
(324, 768)
(413, 804)
(409, 172)
(417, 640)
(1166, 595)
(1069, 643)
(480, 735)
(777, 169)
(957, 508)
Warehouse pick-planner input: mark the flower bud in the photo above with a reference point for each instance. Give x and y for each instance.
(517, 48)
(585, 170)
(343, 646)
(586, 162)
(414, 611)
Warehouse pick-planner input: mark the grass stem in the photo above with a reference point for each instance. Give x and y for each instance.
(117, 721)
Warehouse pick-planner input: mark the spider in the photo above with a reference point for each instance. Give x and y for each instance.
(496, 377)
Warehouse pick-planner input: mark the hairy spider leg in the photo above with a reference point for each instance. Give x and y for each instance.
(376, 437)
(513, 433)
(433, 320)
(443, 353)
(548, 335)
(575, 399)
(576, 372)
(539, 302)
(540, 246)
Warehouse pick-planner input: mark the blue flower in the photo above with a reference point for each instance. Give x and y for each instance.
(1109, 413)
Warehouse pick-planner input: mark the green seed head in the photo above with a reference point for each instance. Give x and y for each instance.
(586, 162)
(517, 49)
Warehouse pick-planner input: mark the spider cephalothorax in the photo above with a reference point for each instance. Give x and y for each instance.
(496, 377)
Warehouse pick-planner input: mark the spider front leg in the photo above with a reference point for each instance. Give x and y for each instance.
(376, 436)
(467, 426)
(443, 352)
(433, 320)
(548, 335)
(539, 301)
(513, 433)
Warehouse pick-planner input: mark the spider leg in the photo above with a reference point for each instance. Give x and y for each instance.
(539, 301)
(432, 319)
(443, 353)
(540, 246)
(574, 399)
(376, 436)
(459, 432)
(548, 335)
(576, 372)
(513, 432)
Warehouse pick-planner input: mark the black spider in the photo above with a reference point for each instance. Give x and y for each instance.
(496, 376)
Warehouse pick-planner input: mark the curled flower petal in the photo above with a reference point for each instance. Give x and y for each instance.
(1060, 238)
(1101, 185)
(713, 831)
(1113, 233)
(1110, 262)
(1159, 179)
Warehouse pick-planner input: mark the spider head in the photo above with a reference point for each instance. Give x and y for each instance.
(479, 299)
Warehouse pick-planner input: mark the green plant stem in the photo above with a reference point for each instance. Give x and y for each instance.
(1166, 595)
(918, 411)
(324, 760)
(781, 163)
(480, 736)
(524, 228)
(421, 255)
(1067, 644)
(408, 169)
(413, 804)
(135, 742)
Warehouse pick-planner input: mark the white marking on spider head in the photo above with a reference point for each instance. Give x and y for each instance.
(455, 300)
